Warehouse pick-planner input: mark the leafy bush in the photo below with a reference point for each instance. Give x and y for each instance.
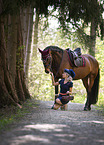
(40, 85)
(100, 58)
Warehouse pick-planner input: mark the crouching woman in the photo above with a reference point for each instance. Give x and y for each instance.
(66, 86)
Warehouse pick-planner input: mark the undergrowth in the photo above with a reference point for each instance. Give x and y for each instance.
(11, 114)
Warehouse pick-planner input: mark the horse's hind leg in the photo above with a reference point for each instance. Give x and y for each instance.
(88, 83)
(87, 104)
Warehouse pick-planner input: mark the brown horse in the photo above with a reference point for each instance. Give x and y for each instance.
(56, 60)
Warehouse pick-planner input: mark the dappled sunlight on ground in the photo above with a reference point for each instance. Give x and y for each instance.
(45, 126)
(47, 134)
(29, 139)
(57, 134)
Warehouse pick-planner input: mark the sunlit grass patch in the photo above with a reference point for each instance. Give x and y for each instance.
(101, 100)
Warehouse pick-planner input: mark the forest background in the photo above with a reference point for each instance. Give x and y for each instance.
(40, 83)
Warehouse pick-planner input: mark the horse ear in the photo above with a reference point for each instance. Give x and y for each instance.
(40, 50)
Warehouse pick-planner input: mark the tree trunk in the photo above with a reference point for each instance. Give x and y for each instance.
(26, 92)
(19, 64)
(28, 44)
(20, 76)
(7, 89)
(12, 45)
(24, 25)
(5, 98)
(93, 37)
(35, 35)
(13, 89)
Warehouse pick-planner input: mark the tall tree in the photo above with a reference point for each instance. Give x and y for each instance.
(12, 45)
(35, 33)
(89, 11)
(28, 40)
(13, 89)
(15, 39)
(7, 89)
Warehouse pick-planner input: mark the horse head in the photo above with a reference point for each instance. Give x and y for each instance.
(47, 59)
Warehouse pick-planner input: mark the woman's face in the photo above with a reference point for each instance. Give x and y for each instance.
(64, 75)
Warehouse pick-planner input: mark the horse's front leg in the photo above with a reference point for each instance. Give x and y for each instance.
(56, 95)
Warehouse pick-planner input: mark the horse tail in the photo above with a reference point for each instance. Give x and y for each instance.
(95, 90)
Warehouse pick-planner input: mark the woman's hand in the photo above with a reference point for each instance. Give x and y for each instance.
(67, 92)
(70, 91)
(51, 73)
(53, 81)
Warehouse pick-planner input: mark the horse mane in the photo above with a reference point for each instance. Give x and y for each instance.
(54, 48)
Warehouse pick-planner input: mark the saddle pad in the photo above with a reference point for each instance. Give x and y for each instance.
(79, 62)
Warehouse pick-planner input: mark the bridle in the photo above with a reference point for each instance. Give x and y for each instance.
(45, 59)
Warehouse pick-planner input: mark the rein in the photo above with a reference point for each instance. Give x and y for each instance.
(45, 60)
(48, 56)
(59, 66)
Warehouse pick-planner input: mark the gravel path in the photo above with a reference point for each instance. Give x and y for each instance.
(44, 126)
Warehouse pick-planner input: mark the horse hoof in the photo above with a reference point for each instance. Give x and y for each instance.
(87, 108)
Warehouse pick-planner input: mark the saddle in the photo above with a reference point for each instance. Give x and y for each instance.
(75, 58)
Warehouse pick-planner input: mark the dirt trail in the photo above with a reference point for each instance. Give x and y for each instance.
(44, 126)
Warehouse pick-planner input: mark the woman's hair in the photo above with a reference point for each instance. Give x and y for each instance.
(69, 78)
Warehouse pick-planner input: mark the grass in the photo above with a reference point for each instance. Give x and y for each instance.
(9, 115)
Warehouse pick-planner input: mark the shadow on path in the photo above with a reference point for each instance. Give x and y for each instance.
(44, 126)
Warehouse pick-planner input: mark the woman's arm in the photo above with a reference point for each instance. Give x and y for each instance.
(53, 80)
(70, 91)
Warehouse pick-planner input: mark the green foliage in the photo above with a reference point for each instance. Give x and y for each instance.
(72, 11)
(4, 121)
(40, 85)
(79, 10)
(12, 114)
(12, 6)
(19, 60)
(100, 58)
(79, 92)
(54, 36)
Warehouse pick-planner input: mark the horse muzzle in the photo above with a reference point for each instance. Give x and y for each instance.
(47, 70)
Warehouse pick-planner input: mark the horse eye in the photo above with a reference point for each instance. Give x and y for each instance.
(44, 61)
(48, 58)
